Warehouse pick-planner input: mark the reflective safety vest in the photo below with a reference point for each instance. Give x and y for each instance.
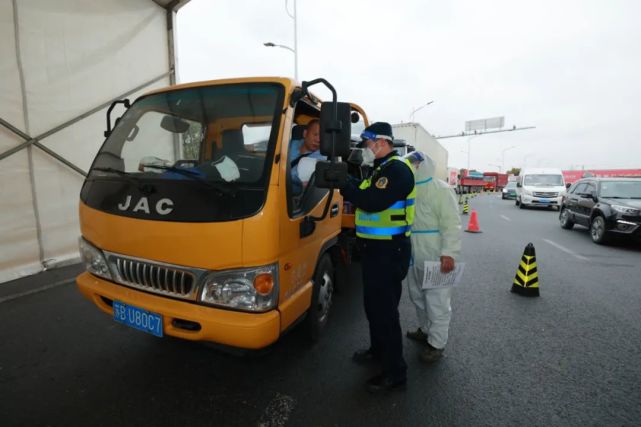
(396, 219)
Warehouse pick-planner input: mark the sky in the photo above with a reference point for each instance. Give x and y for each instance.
(569, 68)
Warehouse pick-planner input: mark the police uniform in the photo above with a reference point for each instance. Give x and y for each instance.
(384, 215)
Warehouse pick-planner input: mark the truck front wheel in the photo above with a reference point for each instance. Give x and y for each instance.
(322, 295)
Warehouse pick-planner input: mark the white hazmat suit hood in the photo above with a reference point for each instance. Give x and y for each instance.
(437, 225)
(436, 232)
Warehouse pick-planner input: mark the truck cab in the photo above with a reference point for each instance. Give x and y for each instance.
(189, 224)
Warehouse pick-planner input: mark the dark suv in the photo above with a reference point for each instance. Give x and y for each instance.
(607, 206)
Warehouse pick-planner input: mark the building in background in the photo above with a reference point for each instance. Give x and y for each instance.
(415, 135)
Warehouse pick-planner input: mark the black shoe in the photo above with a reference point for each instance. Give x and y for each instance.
(431, 354)
(383, 384)
(365, 356)
(417, 335)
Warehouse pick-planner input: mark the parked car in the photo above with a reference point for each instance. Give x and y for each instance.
(509, 191)
(607, 206)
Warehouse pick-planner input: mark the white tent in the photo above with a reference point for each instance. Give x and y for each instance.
(63, 63)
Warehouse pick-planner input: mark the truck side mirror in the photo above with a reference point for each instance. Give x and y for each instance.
(125, 102)
(335, 131)
(331, 174)
(518, 184)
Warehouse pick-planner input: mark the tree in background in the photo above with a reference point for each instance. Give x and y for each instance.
(514, 171)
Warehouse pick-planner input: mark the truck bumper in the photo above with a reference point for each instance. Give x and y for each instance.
(188, 320)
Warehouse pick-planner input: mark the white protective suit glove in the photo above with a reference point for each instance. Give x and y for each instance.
(227, 169)
(306, 167)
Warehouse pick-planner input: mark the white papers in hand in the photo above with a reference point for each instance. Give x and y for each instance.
(434, 279)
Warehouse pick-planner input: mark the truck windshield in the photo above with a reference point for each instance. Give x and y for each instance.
(213, 144)
(543, 180)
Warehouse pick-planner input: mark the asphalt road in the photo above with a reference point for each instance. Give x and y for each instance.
(569, 357)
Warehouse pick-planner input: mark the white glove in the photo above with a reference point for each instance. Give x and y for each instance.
(227, 169)
(306, 166)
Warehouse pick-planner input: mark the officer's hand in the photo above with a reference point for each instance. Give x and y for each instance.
(447, 264)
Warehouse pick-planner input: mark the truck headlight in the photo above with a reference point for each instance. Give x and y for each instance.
(250, 289)
(625, 210)
(527, 192)
(94, 260)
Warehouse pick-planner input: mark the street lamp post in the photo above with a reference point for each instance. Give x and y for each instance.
(416, 109)
(469, 138)
(503, 155)
(295, 38)
(295, 49)
(270, 44)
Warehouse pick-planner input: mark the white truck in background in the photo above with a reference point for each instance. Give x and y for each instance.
(540, 187)
(416, 136)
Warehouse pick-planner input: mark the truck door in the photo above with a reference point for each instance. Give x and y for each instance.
(300, 254)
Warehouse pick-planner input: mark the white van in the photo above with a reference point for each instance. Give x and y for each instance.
(540, 187)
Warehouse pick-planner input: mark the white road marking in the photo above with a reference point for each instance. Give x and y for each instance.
(566, 250)
(277, 412)
(35, 291)
(505, 218)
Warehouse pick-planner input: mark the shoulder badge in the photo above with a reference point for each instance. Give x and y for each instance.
(381, 183)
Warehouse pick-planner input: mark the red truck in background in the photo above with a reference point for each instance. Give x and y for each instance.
(470, 181)
(494, 181)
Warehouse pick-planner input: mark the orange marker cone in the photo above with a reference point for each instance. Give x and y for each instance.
(473, 224)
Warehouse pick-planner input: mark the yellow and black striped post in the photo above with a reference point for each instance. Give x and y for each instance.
(466, 208)
(526, 281)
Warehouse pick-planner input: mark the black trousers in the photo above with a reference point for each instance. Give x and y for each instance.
(385, 264)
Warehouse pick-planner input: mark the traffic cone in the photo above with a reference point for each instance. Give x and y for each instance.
(526, 281)
(473, 224)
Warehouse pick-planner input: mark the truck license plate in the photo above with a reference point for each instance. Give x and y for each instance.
(138, 318)
(545, 201)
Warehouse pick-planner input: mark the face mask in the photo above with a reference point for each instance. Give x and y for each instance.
(368, 157)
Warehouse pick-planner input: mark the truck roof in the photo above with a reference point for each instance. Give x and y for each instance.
(531, 171)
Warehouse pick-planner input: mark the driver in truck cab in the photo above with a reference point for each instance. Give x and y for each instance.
(306, 148)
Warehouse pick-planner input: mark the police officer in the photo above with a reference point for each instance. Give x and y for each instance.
(384, 214)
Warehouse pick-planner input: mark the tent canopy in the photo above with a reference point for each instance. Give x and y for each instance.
(64, 62)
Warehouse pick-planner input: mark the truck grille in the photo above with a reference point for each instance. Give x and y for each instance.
(162, 279)
(547, 194)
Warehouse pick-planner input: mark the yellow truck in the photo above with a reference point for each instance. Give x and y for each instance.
(189, 224)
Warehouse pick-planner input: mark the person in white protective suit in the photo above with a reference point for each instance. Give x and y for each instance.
(436, 236)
